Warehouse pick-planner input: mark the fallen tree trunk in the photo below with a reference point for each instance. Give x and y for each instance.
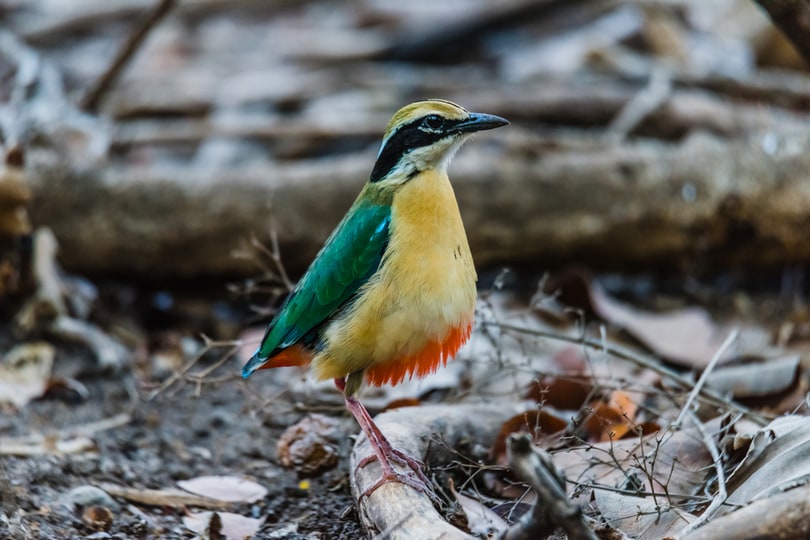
(705, 200)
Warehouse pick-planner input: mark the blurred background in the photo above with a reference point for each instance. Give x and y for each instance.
(171, 167)
(646, 135)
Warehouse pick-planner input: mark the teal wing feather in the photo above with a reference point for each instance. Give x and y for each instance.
(347, 260)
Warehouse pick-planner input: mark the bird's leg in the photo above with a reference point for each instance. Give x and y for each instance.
(384, 452)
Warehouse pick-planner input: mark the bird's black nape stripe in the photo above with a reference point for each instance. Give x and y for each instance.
(405, 139)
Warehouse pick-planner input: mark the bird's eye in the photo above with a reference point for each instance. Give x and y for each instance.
(433, 122)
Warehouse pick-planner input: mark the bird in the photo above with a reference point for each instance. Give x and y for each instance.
(391, 294)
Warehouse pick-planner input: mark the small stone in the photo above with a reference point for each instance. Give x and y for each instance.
(87, 496)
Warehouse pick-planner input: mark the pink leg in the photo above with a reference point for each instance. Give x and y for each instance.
(384, 453)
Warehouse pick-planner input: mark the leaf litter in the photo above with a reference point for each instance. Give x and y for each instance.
(648, 475)
(609, 425)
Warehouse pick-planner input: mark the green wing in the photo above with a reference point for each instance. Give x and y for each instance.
(349, 258)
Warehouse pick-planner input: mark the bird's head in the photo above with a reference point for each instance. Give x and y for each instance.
(425, 135)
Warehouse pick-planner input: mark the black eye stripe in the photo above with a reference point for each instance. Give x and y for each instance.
(408, 137)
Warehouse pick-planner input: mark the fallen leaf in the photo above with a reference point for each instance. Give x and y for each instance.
(640, 517)
(224, 488)
(562, 393)
(686, 336)
(758, 378)
(25, 372)
(535, 422)
(230, 526)
(173, 498)
(402, 402)
(613, 419)
(481, 521)
(778, 458)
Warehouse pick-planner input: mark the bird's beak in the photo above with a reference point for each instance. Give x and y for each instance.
(479, 122)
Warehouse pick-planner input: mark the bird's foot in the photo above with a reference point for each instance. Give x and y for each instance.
(397, 456)
(415, 477)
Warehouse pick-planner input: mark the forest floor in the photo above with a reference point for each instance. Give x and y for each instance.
(147, 442)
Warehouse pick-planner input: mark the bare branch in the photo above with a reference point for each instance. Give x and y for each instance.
(552, 508)
(128, 49)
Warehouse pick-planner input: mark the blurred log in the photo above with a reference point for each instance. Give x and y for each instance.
(704, 200)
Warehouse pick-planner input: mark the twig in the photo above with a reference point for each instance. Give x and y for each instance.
(552, 508)
(647, 100)
(275, 255)
(722, 491)
(133, 42)
(202, 376)
(638, 359)
(182, 372)
(732, 336)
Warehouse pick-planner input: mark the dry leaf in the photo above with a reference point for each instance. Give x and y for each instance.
(535, 422)
(562, 393)
(24, 372)
(481, 521)
(225, 488)
(778, 458)
(231, 526)
(640, 517)
(759, 378)
(613, 419)
(686, 336)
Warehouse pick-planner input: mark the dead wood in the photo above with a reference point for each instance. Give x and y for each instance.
(705, 200)
(398, 511)
(552, 508)
(782, 516)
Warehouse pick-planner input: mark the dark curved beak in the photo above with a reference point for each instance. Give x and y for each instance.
(479, 122)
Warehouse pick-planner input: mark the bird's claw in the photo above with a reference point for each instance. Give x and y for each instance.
(414, 478)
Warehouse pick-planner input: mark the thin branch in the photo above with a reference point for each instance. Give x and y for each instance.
(647, 100)
(722, 491)
(732, 336)
(182, 373)
(128, 49)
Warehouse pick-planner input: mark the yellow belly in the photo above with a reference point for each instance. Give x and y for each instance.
(424, 290)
